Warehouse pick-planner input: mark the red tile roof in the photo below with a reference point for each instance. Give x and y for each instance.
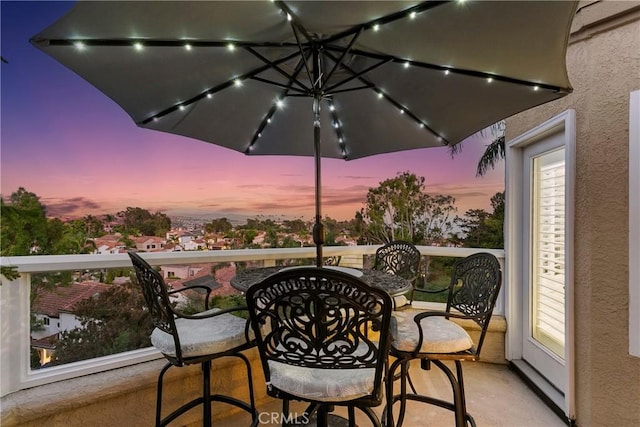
(64, 298)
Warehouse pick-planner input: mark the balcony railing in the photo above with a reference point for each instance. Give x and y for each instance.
(15, 370)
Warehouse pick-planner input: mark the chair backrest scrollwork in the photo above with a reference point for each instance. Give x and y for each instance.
(474, 287)
(400, 258)
(157, 298)
(318, 318)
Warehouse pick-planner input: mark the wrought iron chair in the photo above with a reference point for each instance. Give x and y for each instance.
(332, 260)
(433, 338)
(401, 258)
(194, 339)
(309, 325)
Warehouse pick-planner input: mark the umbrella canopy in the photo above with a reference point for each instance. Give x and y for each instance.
(318, 78)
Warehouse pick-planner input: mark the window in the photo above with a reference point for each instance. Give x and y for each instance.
(46, 321)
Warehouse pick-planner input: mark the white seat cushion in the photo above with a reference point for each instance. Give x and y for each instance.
(400, 301)
(322, 384)
(199, 337)
(439, 334)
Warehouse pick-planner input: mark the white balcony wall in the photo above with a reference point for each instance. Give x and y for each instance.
(15, 372)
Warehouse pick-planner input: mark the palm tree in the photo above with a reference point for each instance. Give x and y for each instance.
(493, 153)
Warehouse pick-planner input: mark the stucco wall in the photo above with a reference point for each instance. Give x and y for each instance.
(603, 62)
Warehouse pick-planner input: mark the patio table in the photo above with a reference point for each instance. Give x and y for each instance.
(392, 284)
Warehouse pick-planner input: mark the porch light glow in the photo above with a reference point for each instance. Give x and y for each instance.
(137, 46)
(80, 45)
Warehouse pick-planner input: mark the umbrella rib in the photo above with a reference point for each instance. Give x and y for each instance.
(387, 19)
(276, 68)
(214, 90)
(273, 108)
(401, 108)
(344, 54)
(462, 71)
(356, 75)
(282, 85)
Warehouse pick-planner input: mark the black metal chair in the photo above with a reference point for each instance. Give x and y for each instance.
(310, 328)
(433, 338)
(194, 339)
(401, 258)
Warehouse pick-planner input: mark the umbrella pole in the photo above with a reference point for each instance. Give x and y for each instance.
(318, 228)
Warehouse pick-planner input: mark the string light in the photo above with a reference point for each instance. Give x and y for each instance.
(376, 27)
(489, 79)
(80, 45)
(332, 108)
(209, 95)
(380, 95)
(231, 47)
(237, 82)
(181, 107)
(137, 45)
(187, 46)
(279, 103)
(269, 120)
(536, 87)
(446, 72)
(406, 64)
(412, 15)
(289, 18)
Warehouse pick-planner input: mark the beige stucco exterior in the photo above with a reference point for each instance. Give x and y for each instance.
(603, 62)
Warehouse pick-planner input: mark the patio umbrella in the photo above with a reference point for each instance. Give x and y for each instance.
(318, 78)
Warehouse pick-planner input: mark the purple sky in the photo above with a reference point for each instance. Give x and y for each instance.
(75, 148)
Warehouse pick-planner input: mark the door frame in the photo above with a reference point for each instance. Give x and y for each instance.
(514, 221)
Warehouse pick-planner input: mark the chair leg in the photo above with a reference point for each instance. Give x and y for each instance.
(206, 393)
(352, 416)
(159, 394)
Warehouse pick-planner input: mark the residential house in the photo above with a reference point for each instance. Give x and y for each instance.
(572, 201)
(55, 310)
(149, 243)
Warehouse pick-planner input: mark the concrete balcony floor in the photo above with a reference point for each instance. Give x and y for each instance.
(496, 397)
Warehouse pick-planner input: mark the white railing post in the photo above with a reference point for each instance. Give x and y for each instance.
(14, 332)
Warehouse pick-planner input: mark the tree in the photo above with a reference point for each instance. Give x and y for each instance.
(23, 226)
(138, 221)
(401, 209)
(113, 322)
(221, 225)
(482, 229)
(493, 153)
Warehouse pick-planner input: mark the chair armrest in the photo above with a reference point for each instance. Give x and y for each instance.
(422, 315)
(192, 287)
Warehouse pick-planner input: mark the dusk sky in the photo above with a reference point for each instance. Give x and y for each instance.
(81, 154)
